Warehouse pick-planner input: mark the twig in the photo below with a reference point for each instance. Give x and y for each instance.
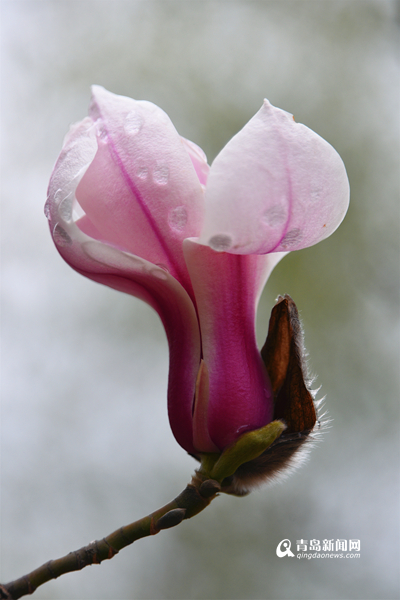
(197, 495)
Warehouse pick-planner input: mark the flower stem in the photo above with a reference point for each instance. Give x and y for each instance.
(194, 498)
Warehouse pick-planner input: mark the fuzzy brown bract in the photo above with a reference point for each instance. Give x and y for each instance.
(284, 357)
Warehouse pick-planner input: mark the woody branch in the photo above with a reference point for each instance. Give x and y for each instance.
(194, 498)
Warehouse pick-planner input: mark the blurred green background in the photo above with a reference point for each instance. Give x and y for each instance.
(86, 445)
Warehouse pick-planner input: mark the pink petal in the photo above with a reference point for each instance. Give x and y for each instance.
(78, 151)
(201, 435)
(141, 191)
(198, 158)
(227, 287)
(136, 276)
(82, 245)
(276, 186)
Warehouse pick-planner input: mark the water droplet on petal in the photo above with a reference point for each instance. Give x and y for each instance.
(133, 123)
(161, 175)
(177, 218)
(60, 236)
(58, 195)
(315, 194)
(101, 130)
(291, 238)
(142, 172)
(47, 208)
(65, 209)
(274, 216)
(220, 242)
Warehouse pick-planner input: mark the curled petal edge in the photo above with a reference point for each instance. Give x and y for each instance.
(276, 186)
(135, 276)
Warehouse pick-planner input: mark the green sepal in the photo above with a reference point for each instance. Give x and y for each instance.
(207, 463)
(247, 447)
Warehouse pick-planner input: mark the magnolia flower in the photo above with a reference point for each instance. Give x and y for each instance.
(134, 206)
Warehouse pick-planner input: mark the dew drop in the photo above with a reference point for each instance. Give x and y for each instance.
(315, 194)
(133, 123)
(47, 209)
(60, 236)
(220, 242)
(161, 175)
(65, 209)
(292, 237)
(58, 195)
(274, 216)
(142, 172)
(177, 218)
(101, 130)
